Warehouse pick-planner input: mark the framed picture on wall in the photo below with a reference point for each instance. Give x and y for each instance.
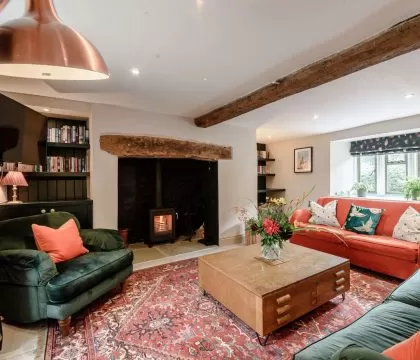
(303, 160)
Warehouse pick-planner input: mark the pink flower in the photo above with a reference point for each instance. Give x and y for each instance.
(270, 226)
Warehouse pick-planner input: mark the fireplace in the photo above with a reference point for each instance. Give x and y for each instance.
(160, 200)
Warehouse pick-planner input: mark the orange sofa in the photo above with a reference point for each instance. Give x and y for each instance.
(380, 252)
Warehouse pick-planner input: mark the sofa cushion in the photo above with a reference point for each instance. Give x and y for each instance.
(82, 273)
(383, 245)
(363, 220)
(380, 328)
(409, 291)
(354, 352)
(324, 215)
(406, 350)
(408, 226)
(324, 233)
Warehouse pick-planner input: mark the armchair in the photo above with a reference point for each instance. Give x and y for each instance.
(34, 288)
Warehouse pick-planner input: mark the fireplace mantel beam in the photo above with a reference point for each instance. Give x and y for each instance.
(159, 147)
(400, 39)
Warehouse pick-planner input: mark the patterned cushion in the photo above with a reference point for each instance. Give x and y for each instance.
(363, 220)
(324, 215)
(408, 227)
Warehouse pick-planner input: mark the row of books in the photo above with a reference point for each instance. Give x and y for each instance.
(11, 166)
(261, 169)
(68, 134)
(66, 164)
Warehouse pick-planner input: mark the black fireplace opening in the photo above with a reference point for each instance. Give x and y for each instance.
(160, 200)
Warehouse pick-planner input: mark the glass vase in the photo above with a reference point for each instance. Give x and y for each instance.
(271, 252)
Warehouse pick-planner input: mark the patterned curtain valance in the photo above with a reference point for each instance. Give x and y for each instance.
(387, 144)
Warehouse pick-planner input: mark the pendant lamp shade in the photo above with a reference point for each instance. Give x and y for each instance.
(40, 46)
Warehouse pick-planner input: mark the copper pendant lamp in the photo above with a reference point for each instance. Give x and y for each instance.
(38, 45)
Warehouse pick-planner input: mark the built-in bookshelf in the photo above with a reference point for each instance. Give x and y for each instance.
(63, 173)
(265, 172)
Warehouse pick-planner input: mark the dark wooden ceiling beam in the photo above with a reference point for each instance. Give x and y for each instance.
(400, 39)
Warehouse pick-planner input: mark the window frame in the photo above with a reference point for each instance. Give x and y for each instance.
(376, 171)
(388, 163)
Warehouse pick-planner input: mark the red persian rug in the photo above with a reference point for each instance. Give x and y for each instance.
(163, 315)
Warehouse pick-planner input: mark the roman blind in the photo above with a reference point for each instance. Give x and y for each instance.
(386, 144)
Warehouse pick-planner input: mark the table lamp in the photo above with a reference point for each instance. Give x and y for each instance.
(14, 178)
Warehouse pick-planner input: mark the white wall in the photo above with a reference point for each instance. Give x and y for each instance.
(324, 163)
(237, 177)
(341, 167)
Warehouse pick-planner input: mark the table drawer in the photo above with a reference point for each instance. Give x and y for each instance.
(332, 283)
(288, 304)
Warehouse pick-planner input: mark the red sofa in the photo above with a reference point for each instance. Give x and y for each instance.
(380, 252)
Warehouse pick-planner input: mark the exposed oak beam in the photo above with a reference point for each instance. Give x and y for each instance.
(159, 147)
(397, 40)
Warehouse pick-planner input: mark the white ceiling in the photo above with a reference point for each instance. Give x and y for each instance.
(238, 45)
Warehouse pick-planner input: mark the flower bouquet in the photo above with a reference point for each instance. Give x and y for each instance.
(272, 224)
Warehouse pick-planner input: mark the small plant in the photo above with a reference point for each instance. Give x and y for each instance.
(360, 186)
(361, 189)
(412, 189)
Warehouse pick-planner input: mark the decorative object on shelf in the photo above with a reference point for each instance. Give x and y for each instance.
(262, 154)
(57, 52)
(303, 160)
(412, 189)
(15, 179)
(361, 189)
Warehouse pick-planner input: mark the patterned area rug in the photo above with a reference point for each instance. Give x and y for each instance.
(164, 316)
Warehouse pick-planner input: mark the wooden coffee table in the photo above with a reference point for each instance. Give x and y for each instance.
(267, 297)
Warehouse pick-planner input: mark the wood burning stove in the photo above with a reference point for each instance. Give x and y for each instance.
(162, 226)
(162, 221)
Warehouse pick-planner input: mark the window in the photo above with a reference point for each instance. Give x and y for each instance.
(395, 173)
(367, 171)
(385, 174)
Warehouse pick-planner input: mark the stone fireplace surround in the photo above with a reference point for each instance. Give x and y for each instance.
(143, 147)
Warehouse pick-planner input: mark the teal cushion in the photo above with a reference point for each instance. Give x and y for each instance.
(84, 272)
(354, 352)
(409, 291)
(379, 329)
(101, 239)
(363, 220)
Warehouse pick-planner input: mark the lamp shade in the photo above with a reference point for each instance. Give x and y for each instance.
(40, 46)
(14, 178)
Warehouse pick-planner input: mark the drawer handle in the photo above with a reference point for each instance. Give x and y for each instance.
(43, 211)
(340, 288)
(340, 281)
(283, 319)
(52, 210)
(341, 272)
(283, 309)
(283, 299)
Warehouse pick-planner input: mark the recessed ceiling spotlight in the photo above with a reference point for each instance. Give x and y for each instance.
(135, 71)
(46, 110)
(205, 79)
(409, 95)
(269, 136)
(316, 116)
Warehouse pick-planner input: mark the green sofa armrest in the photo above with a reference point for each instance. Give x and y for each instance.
(101, 239)
(26, 267)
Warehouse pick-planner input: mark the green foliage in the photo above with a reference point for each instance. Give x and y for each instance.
(360, 186)
(412, 188)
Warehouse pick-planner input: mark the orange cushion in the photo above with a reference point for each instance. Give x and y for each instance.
(383, 245)
(406, 350)
(61, 244)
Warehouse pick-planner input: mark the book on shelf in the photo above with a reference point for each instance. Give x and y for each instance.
(68, 134)
(11, 166)
(261, 169)
(72, 164)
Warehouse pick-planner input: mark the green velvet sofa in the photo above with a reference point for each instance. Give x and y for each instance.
(387, 324)
(32, 287)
